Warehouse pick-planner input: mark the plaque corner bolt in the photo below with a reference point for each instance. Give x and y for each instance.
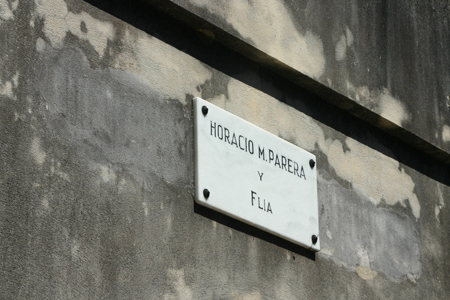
(312, 163)
(314, 239)
(204, 110)
(206, 193)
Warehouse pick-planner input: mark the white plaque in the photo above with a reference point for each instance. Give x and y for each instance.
(254, 176)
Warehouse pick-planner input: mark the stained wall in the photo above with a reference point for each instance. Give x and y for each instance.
(97, 151)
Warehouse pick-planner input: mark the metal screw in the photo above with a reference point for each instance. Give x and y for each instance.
(314, 239)
(312, 163)
(206, 192)
(204, 110)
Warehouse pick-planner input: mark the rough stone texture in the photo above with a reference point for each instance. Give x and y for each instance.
(96, 155)
(386, 62)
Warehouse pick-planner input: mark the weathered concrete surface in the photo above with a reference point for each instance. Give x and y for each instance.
(386, 62)
(96, 179)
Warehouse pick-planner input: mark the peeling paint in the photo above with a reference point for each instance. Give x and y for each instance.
(7, 9)
(18, 116)
(363, 270)
(53, 12)
(45, 203)
(438, 207)
(126, 124)
(376, 175)
(75, 248)
(145, 206)
(6, 89)
(412, 278)
(382, 102)
(254, 295)
(96, 32)
(341, 48)
(361, 94)
(269, 26)
(326, 252)
(371, 239)
(58, 21)
(182, 291)
(349, 37)
(366, 273)
(148, 57)
(441, 197)
(391, 108)
(346, 40)
(55, 169)
(446, 134)
(8, 86)
(37, 152)
(40, 45)
(437, 210)
(125, 142)
(107, 174)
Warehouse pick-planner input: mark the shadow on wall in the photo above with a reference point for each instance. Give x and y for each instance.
(195, 44)
(250, 230)
(215, 55)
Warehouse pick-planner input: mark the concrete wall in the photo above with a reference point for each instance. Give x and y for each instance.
(362, 57)
(97, 156)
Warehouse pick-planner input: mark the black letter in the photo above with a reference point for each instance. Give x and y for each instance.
(283, 162)
(213, 127)
(240, 136)
(234, 141)
(269, 208)
(227, 135)
(270, 155)
(261, 152)
(302, 173)
(277, 161)
(260, 175)
(253, 198)
(220, 132)
(250, 147)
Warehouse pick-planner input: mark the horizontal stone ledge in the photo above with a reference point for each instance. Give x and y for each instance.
(209, 21)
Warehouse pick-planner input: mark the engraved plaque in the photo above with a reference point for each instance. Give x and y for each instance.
(254, 176)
